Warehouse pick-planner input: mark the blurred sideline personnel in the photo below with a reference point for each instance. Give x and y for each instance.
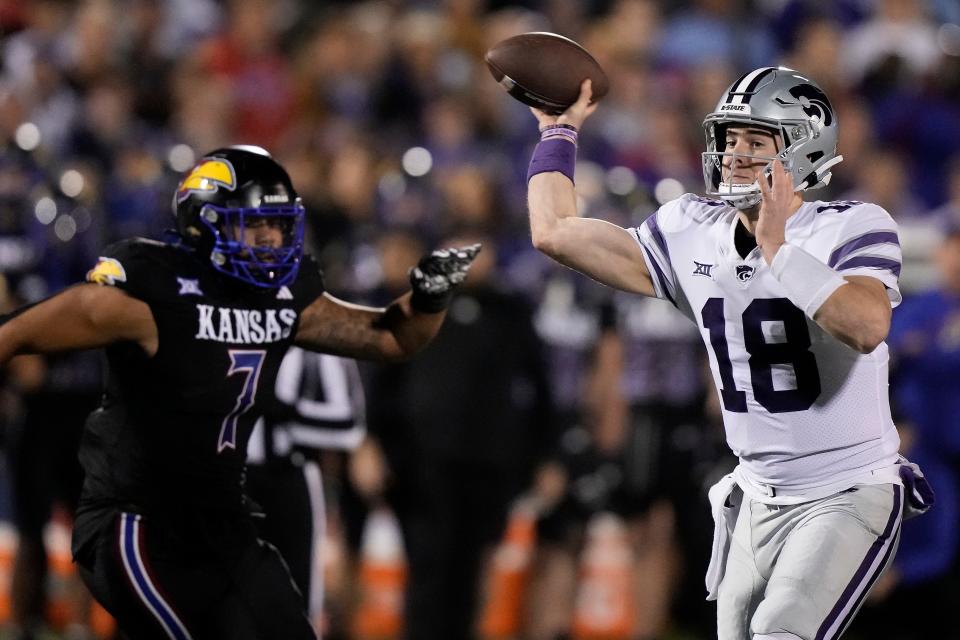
(43, 405)
(633, 456)
(319, 405)
(58, 393)
(794, 302)
(461, 431)
(192, 327)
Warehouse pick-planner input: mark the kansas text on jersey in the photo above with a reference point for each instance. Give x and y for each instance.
(244, 326)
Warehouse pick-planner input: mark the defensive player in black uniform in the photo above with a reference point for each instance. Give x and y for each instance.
(195, 329)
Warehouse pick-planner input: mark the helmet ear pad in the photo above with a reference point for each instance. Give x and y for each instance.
(227, 191)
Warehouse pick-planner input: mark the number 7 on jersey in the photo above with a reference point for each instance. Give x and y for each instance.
(247, 364)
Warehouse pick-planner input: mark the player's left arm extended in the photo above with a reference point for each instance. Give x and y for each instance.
(401, 329)
(393, 333)
(858, 313)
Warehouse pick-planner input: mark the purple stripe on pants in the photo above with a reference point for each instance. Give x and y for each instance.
(873, 580)
(866, 574)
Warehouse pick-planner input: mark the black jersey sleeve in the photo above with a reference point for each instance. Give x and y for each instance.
(133, 265)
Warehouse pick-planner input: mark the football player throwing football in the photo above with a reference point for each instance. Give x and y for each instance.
(793, 300)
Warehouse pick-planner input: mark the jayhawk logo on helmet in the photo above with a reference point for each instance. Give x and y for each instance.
(209, 175)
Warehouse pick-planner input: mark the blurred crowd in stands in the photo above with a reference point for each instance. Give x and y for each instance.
(398, 139)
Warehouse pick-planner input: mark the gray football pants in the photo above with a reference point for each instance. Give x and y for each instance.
(805, 569)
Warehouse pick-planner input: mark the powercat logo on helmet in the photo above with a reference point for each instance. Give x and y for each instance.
(814, 103)
(739, 108)
(209, 175)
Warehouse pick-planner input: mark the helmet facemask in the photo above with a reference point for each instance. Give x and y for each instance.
(260, 265)
(237, 207)
(742, 195)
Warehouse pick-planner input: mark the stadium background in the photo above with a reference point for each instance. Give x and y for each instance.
(397, 138)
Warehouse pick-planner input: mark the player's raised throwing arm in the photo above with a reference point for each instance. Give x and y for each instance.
(604, 251)
(401, 329)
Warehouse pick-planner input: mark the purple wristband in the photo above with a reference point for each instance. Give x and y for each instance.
(555, 154)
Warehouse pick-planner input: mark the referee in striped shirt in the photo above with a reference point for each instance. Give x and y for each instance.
(319, 405)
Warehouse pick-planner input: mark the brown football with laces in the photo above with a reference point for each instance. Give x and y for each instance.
(544, 70)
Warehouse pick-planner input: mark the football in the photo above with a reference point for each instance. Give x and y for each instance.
(544, 70)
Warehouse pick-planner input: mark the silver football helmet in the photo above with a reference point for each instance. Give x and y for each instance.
(789, 105)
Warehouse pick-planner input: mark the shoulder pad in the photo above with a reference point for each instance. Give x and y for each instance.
(133, 265)
(111, 266)
(700, 208)
(680, 212)
(851, 214)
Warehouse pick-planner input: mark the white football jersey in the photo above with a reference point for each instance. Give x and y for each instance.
(801, 410)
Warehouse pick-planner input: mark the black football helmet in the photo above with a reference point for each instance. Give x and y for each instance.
(230, 191)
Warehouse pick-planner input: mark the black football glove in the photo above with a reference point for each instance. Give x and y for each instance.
(437, 275)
